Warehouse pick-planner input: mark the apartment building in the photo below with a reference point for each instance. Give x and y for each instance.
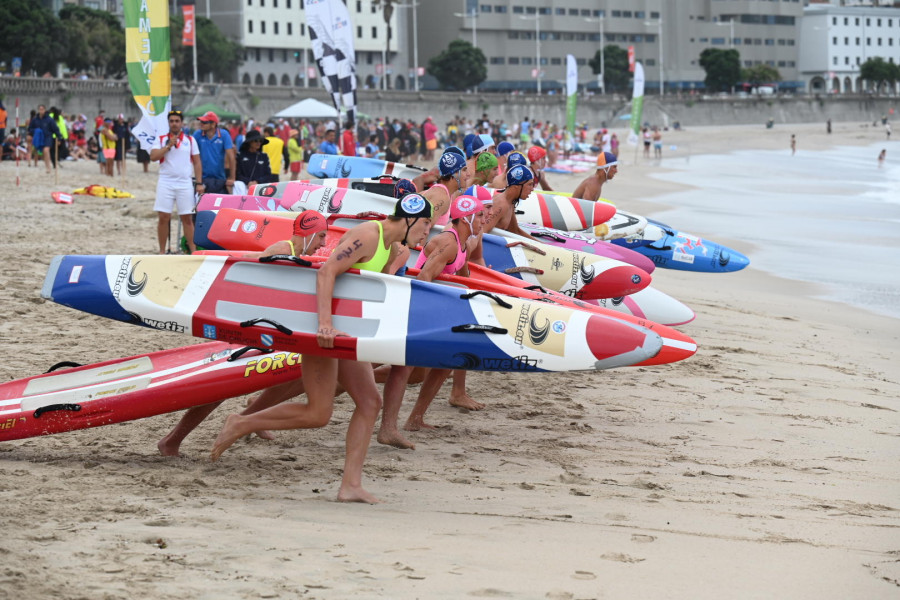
(522, 39)
(837, 40)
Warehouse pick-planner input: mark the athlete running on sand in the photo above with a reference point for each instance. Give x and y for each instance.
(607, 167)
(369, 246)
(310, 229)
(445, 253)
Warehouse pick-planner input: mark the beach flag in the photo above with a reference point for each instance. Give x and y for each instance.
(147, 63)
(571, 92)
(637, 104)
(331, 34)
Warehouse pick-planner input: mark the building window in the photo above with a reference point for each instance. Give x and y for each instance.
(834, 41)
(359, 6)
(262, 2)
(275, 25)
(770, 42)
(585, 12)
(359, 32)
(626, 14)
(498, 60)
(290, 28)
(639, 14)
(499, 8)
(560, 12)
(512, 35)
(513, 60)
(257, 55)
(275, 3)
(374, 33)
(249, 2)
(544, 11)
(555, 61)
(530, 10)
(573, 12)
(527, 60)
(271, 55)
(518, 10)
(250, 26)
(654, 15)
(486, 8)
(262, 27)
(302, 28)
(288, 3)
(580, 61)
(650, 62)
(297, 54)
(834, 60)
(284, 56)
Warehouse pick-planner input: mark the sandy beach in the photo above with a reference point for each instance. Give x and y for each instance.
(764, 466)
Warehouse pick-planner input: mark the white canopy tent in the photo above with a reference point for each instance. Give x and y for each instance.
(309, 109)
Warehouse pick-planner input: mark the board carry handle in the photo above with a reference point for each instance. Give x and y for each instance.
(239, 353)
(294, 259)
(660, 248)
(388, 176)
(524, 270)
(537, 288)
(547, 234)
(54, 407)
(274, 324)
(477, 327)
(63, 365)
(494, 297)
(528, 246)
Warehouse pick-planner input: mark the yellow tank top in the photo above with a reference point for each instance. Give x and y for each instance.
(380, 258)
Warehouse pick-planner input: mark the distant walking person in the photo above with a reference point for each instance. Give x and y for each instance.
(881, 156)
(793, 144)
(887, 130)
(179, 159)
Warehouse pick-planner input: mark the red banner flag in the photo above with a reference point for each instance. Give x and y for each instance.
(631, 59)
(187, 36)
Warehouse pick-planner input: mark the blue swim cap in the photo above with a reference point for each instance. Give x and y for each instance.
(455, 149)
(487, 140)
(451, 163)
(504, 148)
(519, 175)
(467, 144)
(403, 187)
(515, 159)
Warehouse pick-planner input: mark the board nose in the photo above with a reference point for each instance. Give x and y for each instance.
(616, 343)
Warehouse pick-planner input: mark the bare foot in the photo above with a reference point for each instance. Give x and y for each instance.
(167, 448)
(265, 434)
(417, 423)
(231, 432)
(395, 439)
(465, 401)
(356, 494)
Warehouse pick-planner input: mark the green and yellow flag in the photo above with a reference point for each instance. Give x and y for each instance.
(147, 57)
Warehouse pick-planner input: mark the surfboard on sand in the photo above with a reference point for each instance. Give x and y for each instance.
(331, 166)
(136, 387)
(388, 319)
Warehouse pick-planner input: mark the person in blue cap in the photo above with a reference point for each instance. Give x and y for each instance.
(590, 188)
(519, 184)
(454, 176)
(503, 151)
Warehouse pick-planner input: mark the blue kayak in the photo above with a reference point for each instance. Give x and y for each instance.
(672, 249)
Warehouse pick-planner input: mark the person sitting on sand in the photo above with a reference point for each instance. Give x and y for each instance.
(310, 229)
(445, 253)
(591, 187)
(369, 246)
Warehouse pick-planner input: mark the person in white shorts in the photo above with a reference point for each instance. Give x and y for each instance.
(179, 159)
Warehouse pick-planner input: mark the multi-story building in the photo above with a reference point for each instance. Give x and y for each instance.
(278, 50)
(524, 38)
(837, 40)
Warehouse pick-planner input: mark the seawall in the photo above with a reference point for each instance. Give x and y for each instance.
(261, 102)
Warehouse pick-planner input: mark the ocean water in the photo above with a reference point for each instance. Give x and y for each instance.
(830, 217)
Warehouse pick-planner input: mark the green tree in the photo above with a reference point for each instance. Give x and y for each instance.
(216, 54)
(32, 32)
(96, 41)
(615, 74)
(459, 67)
(877, 71)
(761, 74)
(723, 68)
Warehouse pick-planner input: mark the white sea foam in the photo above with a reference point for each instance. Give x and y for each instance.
(829, 217)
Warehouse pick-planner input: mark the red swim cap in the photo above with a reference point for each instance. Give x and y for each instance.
(309, 222)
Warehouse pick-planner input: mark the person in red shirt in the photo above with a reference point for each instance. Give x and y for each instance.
(348, 140)
(429, 133)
